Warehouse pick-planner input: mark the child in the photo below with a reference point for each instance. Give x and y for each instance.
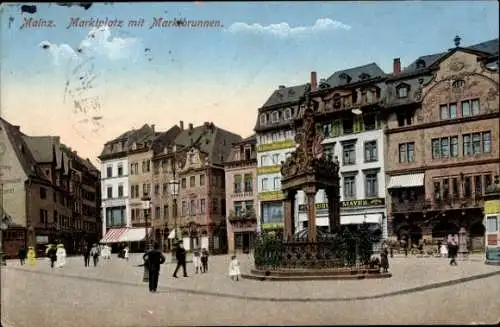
(384, 261)
(197, 260)
(204, 260)
(234, 268)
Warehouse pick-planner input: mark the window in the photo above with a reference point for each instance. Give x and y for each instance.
(148, 165)
(157, 212)
(275, 117)
(248, 182)
(402, 92)
(453, 110)
(277, 183)
(349, 154)
(369, 122)
(476, 143)
(455, 189)
(467, 145)
(43, 193)
(157, 188)
(328, 151)
(215, 206)
(406, 152)
(476, 108)
(478, 185)
(132, 194)
(467, 187)
(192, 208)
(288, 114)
(487, 181)
(120, 170)
(454, 146)
(349, 187)
(165, 188)
(165, 211)
(192, 181)
(445, 114)
(137, 191)
(202, 206)
(202, 180)
(437, 190)
(109, 171)
(237, 183)
(371, 186)
(183, 183)
(486, 142)
(263, 160)
(371, 151)
(183, 208)
(110, 192)
(264, 184)
(465, 108)
(276, 159)
(263, 119)
(457, 84)
(405, 118)
(492, 224)
(327, 129)
(238, 208)
(272, 212)
(347, 126)
(445, 147)
(446, 188)
(436, 149)
(120, 190)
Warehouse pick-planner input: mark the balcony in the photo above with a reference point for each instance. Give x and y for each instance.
(245, 194)
(243, 215)
(437, 204)
(407, 206)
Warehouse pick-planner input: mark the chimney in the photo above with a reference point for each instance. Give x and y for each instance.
(181, 125)
(396, 66)
(314, 81)
(190, 126)
(281, 87)
(153, 127)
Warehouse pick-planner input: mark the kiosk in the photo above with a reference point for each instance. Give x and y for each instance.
(492, 223)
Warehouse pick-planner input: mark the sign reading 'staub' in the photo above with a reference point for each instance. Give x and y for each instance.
(375, 202)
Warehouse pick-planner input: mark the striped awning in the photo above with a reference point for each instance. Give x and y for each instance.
(406, 181)
(114, 235)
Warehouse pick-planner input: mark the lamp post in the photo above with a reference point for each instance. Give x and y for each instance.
(146, 205)
(4, 225)
(174, 192)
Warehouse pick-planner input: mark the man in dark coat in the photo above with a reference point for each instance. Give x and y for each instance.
(86, 255)
(51, 253)
(22, 255)
(154, 259)
(180, 255)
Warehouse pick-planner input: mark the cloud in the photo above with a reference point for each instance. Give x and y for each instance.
(284, 30)
(98, 43)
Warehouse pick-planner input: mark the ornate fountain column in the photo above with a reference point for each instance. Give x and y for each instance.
(311, 214)
(289, 214)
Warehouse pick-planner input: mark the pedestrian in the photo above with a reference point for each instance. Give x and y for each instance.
(154, 259)
(443, 249)
(52, 254)
(234, 269)
(204, 260)
(94, 253)
(384, 260)
(22, 255)
(31, 256)
(180, 255)
(453, 250)
(125, 253)
(86, 255)
(60, 256)
(197, 260)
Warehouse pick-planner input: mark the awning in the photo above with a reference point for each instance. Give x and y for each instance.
(403, 181)
(171, 235)
(135, 234)
(373, 218)
(114, 235)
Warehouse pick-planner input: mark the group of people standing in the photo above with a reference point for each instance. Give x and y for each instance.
(56, 255)
(95, 252)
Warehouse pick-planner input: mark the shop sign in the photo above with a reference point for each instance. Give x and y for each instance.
(363, 203)
(276, 146)
(271, 196)
(319, 206)
(269, 170)
(272, 226)
(42, 239)
(492, 207)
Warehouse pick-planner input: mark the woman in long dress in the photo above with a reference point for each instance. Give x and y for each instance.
(125, 253)
(234, 268)
(61, 256)
(443, 250)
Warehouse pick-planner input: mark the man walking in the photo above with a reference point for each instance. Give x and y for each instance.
(51, 253)
(94, 252)
(180, 255)
(86, 255)
(154, 259)
(22, 255)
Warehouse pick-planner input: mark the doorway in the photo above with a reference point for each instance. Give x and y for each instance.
(243, 241)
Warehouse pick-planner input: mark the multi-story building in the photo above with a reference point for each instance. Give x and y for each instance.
(241, 195)
(50, 193)
(275, 133)
(349, 105)
(115, 165)
(442, 142)
(202, 197)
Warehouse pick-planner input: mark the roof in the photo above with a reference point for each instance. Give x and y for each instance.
(22, 150)
(250, 139)
(210, 139)
(165, 138)
(372, 70)
(286, 95)
(237, 148)
(145, 133)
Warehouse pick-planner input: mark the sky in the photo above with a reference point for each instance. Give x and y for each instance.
(90, 84)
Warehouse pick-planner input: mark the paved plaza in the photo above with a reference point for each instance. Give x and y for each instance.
(421, 291)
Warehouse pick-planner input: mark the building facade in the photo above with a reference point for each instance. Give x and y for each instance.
(443, 142)
(50, 193)
(275, 134)
(241, 195)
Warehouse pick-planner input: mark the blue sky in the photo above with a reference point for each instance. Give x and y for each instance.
(232, 69)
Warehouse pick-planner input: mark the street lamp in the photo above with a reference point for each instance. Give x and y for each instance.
(174, 191)
(146, 205)
(4, 225)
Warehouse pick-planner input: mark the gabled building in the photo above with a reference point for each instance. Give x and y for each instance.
(275, 134)
(241, 195)
(442, 142)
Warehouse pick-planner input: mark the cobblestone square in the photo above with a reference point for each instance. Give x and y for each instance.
(421, 291)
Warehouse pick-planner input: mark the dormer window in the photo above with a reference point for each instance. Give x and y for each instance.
(263, 119)
(364, 76)
(420, 64)
(346, 78)
(402, 90)
(288, 114)
(134, 146)
(458, 84)
(323, 85)
(275, 117)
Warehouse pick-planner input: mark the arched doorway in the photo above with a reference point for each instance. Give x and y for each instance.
(476, 233)
(412, 234)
